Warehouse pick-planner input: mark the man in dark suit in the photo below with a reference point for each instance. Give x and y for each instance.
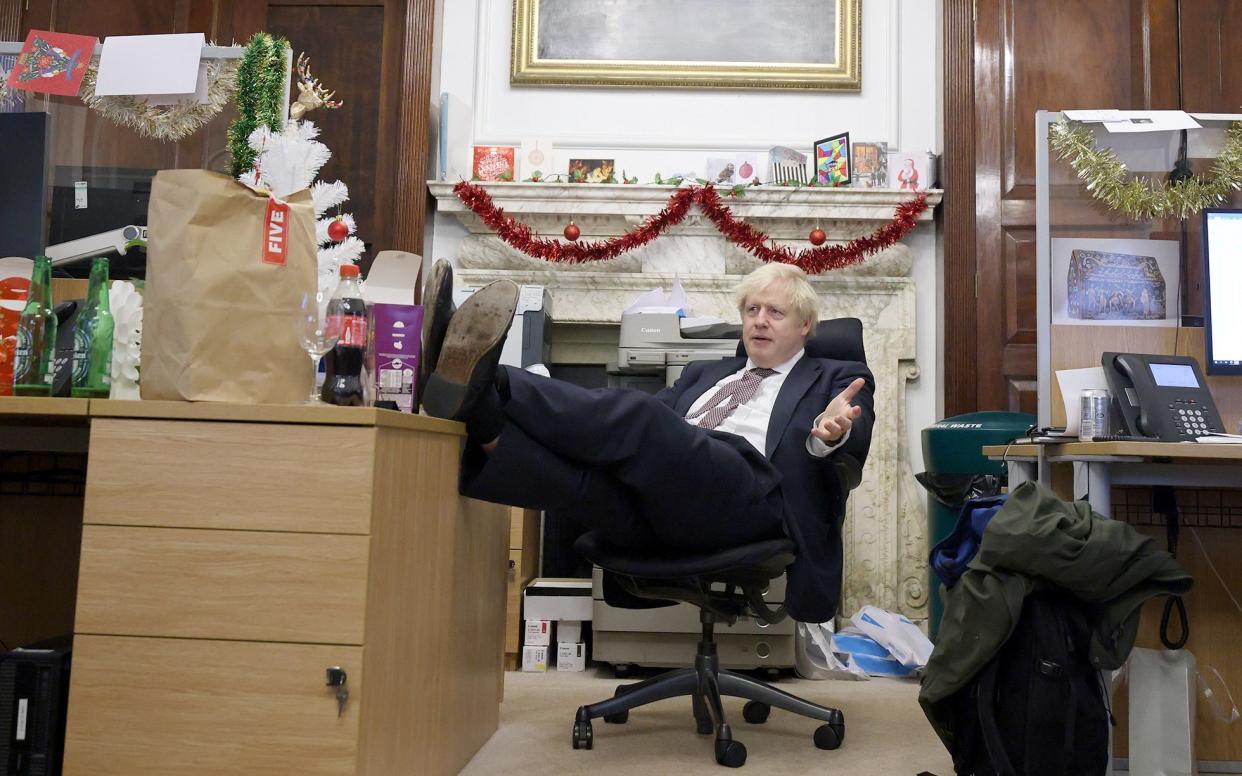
(737, 451)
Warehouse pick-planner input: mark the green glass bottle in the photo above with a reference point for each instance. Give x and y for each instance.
(92, 338)
(34, 365)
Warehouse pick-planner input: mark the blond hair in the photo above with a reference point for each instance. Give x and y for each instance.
(791, 280)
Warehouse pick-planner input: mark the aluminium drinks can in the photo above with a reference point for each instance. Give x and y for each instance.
(1093, 414)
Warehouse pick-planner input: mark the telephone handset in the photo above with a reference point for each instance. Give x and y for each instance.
(1164, 397)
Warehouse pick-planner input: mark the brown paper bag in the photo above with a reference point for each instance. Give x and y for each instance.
(221, 310)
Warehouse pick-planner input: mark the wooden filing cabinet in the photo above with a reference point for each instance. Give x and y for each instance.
(523, 567)
(227, 565)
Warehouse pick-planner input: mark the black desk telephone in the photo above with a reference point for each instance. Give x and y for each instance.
(1164, 397)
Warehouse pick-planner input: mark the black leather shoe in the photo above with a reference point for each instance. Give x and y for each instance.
(438, 309)
(471, 351)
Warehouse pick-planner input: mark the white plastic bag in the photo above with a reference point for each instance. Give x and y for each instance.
(814, 657)
(902, 638)
(1162, 712)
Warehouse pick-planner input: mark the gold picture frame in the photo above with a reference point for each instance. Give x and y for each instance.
(562, 57)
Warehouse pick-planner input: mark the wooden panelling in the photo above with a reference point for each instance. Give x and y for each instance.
(435, 611)
(230, 475)
(958, 209)
(1074, 347)
(11, 20)
(308, 588)
(1027, 57)
(39, 541)
(409, 41)
(183, 706)
(345, 46)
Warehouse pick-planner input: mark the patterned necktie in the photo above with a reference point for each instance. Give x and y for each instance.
(730, 397)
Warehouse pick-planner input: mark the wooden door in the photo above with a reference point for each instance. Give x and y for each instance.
(1025, 57)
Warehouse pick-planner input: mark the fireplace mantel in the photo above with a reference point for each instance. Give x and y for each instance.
(885, 531)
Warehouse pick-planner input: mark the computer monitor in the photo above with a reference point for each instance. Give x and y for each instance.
(22, 210)
(1222, 270)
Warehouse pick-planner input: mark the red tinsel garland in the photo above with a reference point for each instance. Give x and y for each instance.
(811, 260)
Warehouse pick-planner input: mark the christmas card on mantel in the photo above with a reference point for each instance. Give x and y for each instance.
(52, 62)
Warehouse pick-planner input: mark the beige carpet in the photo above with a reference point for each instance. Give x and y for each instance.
(886, 732)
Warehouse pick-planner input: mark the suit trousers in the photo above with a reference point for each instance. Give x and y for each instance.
(624, 463)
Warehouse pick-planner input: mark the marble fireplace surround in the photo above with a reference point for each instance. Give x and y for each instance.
(885, 528)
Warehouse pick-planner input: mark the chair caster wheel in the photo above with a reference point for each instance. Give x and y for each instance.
(829, 736)
(582, 735)
(731, 754)
(756, 712)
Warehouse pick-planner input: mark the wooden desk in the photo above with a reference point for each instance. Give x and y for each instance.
(1213, 618)
(230, 554)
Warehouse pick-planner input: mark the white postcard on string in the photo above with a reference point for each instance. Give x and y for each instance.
(150, 64)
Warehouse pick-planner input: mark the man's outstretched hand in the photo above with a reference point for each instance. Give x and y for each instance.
(840, 414)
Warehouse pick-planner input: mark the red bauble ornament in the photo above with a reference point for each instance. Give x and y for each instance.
(572, 232)
(817, 236)
(338, 230)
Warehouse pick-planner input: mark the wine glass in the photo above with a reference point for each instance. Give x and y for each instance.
(319, 333)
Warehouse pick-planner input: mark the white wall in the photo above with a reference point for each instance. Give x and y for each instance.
(674, 130)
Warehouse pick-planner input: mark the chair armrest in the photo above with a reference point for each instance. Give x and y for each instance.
(848, 470)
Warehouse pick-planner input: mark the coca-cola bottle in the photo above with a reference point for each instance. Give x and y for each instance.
(343, 383)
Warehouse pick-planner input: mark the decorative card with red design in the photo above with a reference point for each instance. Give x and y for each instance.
(52, 62)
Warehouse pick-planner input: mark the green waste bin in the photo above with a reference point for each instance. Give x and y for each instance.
(954, 447)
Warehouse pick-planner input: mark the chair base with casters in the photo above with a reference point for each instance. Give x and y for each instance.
(725, 586)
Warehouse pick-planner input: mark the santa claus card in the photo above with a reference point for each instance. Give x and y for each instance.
(52, 62)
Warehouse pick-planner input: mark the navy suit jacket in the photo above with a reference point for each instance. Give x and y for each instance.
(811, 488)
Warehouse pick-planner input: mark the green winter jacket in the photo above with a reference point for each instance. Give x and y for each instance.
(1034, 542)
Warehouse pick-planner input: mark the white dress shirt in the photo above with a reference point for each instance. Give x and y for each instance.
(750, 420)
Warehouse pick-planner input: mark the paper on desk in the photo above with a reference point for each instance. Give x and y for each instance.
(1152, 121)
(149, 64)
(1073, 382)
(1220, 439)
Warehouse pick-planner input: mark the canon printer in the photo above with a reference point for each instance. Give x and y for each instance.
(654, 341)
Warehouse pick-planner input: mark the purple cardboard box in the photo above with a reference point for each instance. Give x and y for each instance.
(396, 345)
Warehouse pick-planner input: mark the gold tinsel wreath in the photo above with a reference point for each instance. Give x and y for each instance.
(165, 122)
(1144, 199)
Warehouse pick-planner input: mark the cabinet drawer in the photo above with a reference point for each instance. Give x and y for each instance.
(248, 585)
(209, 707)
(267, 477)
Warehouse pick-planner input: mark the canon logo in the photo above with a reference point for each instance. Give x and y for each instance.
(649, 331)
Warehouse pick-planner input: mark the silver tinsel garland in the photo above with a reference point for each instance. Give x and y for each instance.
(169, 123)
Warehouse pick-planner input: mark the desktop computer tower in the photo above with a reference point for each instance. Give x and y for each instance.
(34, 694)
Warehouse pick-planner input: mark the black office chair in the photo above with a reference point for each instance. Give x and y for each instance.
(744, 573)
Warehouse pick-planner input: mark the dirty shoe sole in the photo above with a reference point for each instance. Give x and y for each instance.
(438, 307)
(476, 332)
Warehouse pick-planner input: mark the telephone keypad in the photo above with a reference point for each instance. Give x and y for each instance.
(1188, 418)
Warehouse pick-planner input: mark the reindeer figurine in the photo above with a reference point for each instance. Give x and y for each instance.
(311, 93)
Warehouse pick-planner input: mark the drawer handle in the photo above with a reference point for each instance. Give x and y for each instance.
(337, 678)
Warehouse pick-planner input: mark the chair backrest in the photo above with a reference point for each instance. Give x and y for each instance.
(837, 338)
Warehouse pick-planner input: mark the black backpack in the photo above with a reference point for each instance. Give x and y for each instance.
(1038, 707)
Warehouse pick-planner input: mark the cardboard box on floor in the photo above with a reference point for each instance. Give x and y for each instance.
(551, 598)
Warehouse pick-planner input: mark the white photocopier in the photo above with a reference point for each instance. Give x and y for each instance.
(667, 637)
